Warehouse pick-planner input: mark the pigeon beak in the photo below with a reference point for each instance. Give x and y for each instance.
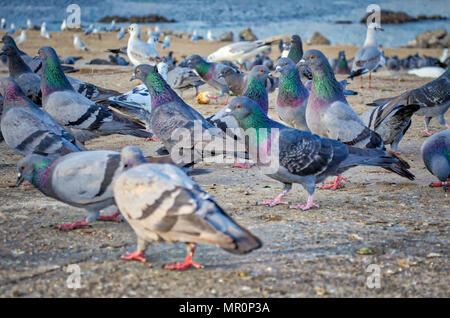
(20, 179)
(302, 61)
(278, 69)
(228, 110)
(133, 77)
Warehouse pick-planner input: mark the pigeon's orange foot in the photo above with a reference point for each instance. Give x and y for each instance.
(152, 138)
(72, 226)
(237, 164)
(136, 255)
(428, 132)
(115, 217)
(310, 204)
(337, 183)
(445, 184)
(185, 265)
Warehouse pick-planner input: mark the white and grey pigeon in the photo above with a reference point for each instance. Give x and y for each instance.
(71, 109)
(138, 51)
(78, 43)
(433, 99)
(239, 51)
(44, 31)
(27, 129)
(161, 203)
(369, 57)
(22, 37)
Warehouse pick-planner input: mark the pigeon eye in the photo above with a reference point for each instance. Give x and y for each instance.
(312, 57)
(138, 71)
(22, 168)
(239, 106)
(261, 71)
(286, 63)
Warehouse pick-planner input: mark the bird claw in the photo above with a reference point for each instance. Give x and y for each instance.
(136, 255)
(305, 207)
(115, 217)
(271, 203)
(334, 184)
(83, 224)
(183, 266)
(152, 138)
(428, 132)
(242, 165)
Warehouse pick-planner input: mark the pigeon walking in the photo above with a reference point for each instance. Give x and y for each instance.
(27, 129)
(292, 156)
(161, 203)
(342, 65)
(436, 157)
(71, 109)
(292, 95)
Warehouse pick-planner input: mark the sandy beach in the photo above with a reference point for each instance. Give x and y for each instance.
(404, 225)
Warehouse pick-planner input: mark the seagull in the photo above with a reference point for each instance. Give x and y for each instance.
(239, 51)
(369, 57)
(121, 33)
(194, 37)
(210, 37)
(12, 29)
(78, 44)
(44, 32)
(138, 51)
(3, 24)
(29, 24)
(64, 25)
(166, 42)
(22, 38)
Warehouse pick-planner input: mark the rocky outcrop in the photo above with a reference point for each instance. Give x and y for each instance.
(392, 17)
(247, 35)
(318, 39)
(431, 39)
(227, 37)
(151, 18)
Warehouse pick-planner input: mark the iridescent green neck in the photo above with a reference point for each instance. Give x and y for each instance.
(159, 90)
(41, 175)
(203, 68)
(290, 83)
(53, 77)
(326, 86)
(256, 91)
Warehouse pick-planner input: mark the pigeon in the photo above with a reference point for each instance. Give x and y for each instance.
(433, 99)
(209, 72)
(82, 179)
(329, 115)
(44, 32)
(70, 108)
(117, 60)
(292, 95)
(121, 33)
(78, 44)
(256, 89)
(292, 156)
(171, 118)
(342, 65)
(27, 129)
(393, 63)
(22, 38)
(239, 51)
(140, 52)
(296, 49)
(237, 81)
(28, 81)
(210, 37)
(390, 126)
(161, 203)
(436, 157)
(166, 42)
(369, 57)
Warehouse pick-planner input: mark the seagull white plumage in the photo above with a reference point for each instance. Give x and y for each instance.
(64, 25)
(166, 42)
(44, 32)
(138, 51)
(12, 29)
(22, 38)
(3, 23)
(29, 24)
(78, 44)
(239, 51)
(210, 37)
(121, 33)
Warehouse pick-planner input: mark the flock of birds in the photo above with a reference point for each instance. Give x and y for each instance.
(47, 116)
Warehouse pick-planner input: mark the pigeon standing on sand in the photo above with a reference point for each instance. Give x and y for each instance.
(161, 203)
(256, 89)
(44, 31)
(28, 129)
(22, 37)
(138, 51)
(292, 156)
(369, 57)
(71, 109)
(342, 64)
(78, 44)
(329, 115)
(296, 49)
(390, 126)
(237, 81)
(433, 99)
(292, 95)
(209, 72)
(436, 157)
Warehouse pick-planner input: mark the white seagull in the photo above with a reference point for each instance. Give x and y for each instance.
(239, 51)
(78, 44)
(138, 51)
(22, 38)
(44, 32)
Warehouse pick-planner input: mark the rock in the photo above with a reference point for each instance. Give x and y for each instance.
(392, 17)
(136, 19)
(431, 39)
(227, 37)
(247, 35)
(318, 39)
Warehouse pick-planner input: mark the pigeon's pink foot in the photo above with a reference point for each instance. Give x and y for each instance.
(310, 204)
(188, 262)
(237, 164)
(115, 217)
(213, 97)
(273, 202)
(397, 152)
(136, 256)
(428, 132)
(72, 226)
(152, 138)
(448, 126)
(334, 184)
(225, 102)
(26, 183)
(441, 184)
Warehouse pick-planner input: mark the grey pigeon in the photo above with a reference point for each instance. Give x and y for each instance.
(369, 57)
(83, 179)
(161, 203)
(28, 81)
(296, 49)
(294, 156)
(433, 99)
(390, 126)
(342, 64)
(292, 95)
(27, 129)
(436, 157)
(237, 81)
(69, 108)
